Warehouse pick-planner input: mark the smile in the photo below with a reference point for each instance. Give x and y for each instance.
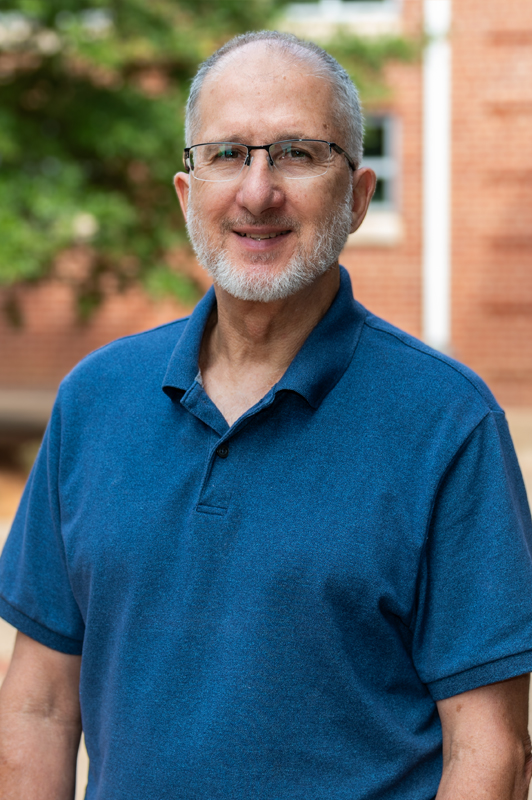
(263, 236)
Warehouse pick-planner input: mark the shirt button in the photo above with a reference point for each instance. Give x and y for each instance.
(222, 451)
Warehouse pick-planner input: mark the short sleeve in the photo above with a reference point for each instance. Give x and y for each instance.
(474, 614)
(35, 591)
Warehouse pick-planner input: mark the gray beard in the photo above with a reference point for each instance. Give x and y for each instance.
(305, 266)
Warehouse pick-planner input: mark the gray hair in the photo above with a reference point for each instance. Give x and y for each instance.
(348, 117)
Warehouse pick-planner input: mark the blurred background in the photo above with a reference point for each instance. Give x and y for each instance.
(92, 246)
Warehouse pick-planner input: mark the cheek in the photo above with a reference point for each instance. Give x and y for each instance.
(212, 204)
(304, 201)
(312, 207)
(318, 197)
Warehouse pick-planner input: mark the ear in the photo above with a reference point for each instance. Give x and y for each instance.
(182, 187)
(364, 182)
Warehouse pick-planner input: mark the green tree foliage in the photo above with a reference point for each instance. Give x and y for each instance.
(91, 105)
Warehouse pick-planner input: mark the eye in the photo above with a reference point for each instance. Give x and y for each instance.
(229, 153)
(299, 153)
(295, 153)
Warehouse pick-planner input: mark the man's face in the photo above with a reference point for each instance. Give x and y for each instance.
(259, 97)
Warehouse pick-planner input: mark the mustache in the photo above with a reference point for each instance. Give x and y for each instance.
(275, 220)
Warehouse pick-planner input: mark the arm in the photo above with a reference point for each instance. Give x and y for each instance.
(486, 746)
(40, 723)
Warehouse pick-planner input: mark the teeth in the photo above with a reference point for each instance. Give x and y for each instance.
(260, 238)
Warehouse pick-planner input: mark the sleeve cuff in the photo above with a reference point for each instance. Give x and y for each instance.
(56, 641)
(495, 671)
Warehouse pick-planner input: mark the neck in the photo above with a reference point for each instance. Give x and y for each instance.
(269, 332)
(248, 346)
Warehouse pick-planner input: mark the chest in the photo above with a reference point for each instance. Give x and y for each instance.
(286, 510)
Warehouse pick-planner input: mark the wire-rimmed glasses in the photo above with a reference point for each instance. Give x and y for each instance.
(296, 159)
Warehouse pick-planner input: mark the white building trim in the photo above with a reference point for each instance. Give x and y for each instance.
(322, 19)
(437, 87)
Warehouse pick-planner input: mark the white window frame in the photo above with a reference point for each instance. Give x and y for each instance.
(371, 17)
(383, 226)
(385, 166)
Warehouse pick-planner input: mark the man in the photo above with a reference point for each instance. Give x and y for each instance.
(287, 544)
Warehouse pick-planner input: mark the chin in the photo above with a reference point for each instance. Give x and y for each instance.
(261, 284)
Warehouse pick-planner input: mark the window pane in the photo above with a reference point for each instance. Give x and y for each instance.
(379, 155)
(380, 195)
(374, 139)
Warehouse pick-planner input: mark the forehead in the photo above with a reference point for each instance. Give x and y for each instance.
(260, 93)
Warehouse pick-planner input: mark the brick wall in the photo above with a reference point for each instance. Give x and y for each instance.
(492, 194)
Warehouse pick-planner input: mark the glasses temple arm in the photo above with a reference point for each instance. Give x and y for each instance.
(342, 152)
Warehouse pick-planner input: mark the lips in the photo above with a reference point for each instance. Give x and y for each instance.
(258, 237)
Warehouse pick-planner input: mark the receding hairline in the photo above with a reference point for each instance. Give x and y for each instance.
(292, 52)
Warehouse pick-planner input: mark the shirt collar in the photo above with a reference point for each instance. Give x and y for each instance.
(315, 370)
(183, 365)
(329, 348)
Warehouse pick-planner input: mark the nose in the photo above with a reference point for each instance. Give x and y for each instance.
(260, 185)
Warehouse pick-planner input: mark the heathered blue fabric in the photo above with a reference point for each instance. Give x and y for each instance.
(276, 624)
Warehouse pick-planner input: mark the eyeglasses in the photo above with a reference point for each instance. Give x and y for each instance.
(296, 159)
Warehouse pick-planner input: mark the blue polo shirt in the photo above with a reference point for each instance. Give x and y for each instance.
(270, 610)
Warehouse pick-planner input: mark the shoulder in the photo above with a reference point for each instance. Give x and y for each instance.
(421, 371)
(410, 398)
(127, 363)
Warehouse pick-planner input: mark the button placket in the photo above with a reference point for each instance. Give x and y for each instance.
(218, 483)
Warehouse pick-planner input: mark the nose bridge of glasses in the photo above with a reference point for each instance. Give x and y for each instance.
(249, 157)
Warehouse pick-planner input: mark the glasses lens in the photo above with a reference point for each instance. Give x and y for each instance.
(304, 159)
(219, 161)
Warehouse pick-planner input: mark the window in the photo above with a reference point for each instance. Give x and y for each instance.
(371, 17)
(344, 5)
(379, 155)
(383, 226)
